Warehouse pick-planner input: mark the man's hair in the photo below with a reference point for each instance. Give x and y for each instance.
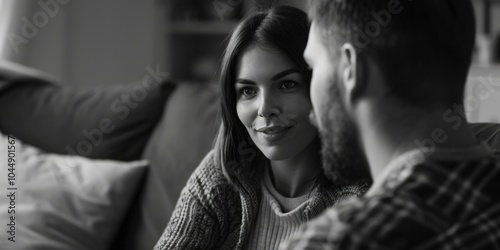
(423, 47)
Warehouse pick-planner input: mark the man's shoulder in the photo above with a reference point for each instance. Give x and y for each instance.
(388, 221)
(434, 198)
(431, 201)
(372, 223)
(455, 189)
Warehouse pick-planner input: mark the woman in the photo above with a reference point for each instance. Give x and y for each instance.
(263, 179)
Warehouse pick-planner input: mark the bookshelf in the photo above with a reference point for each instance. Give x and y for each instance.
(196, 35)
(197, 31)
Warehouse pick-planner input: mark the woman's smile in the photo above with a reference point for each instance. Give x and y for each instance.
(272, 134)
(273, 103)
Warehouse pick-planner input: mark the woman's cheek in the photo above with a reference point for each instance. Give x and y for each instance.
(244, 113)
(301, 105)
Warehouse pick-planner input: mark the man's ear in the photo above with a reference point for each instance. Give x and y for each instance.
(348, 66)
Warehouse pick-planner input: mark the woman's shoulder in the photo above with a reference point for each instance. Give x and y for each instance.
(209, 172)
(208, 180)
(338, 193)
(330, 194)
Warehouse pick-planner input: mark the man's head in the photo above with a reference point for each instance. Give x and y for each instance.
(415, 53)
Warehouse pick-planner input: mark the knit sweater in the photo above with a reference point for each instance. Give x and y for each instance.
(279, 217)
(212, 214)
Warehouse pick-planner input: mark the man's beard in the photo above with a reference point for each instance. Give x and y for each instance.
(343, 159)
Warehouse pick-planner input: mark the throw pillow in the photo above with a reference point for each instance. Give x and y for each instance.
(52, 201)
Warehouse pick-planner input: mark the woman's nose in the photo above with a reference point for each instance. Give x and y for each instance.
(269, 106)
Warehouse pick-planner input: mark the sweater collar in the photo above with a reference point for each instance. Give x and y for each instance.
(330, 194)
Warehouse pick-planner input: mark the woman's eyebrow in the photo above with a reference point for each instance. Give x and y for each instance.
(275, 77)
(244, 81)
(284, 73)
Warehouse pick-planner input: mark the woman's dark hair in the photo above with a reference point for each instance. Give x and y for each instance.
(280, 28)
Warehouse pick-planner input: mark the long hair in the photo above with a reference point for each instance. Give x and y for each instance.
(283, 28)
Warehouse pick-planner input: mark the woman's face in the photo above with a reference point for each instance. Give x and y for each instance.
(273, 103)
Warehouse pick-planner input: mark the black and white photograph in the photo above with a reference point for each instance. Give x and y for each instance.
(249, 124)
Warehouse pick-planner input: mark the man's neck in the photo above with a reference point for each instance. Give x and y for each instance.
(385, 138)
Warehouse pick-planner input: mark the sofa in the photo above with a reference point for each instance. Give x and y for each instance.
(155, 132)
(173, 127)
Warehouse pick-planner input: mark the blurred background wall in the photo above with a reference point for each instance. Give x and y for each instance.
(105, 42)
(85, 43)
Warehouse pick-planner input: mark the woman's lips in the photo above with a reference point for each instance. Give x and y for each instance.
(272, 133)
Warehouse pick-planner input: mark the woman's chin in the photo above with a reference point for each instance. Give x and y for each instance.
(276, 154)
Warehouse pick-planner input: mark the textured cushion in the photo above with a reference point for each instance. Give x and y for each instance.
(63, 202)
(177, 146)
(101, 123)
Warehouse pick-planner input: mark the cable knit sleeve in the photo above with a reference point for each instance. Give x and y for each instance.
(193, 224)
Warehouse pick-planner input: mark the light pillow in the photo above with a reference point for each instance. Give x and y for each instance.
(63, 202)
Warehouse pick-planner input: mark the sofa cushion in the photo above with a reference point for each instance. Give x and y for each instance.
(102, 123)
(179, 143)
(12, 70)
(62, 202)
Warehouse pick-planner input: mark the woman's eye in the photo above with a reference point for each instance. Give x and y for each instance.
(247, 91)
(288, 85)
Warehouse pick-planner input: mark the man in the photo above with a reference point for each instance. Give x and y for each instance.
(392, 73)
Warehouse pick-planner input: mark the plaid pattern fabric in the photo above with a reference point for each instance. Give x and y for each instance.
(446, 200)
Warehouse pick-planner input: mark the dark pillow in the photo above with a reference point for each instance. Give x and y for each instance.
(181, 140)
(112, 122)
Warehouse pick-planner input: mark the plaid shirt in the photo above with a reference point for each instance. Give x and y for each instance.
(447, 199)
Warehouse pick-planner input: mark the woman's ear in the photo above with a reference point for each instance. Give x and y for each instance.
(353, 85)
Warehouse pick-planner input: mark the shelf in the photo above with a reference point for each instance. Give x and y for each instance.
(197, 28)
